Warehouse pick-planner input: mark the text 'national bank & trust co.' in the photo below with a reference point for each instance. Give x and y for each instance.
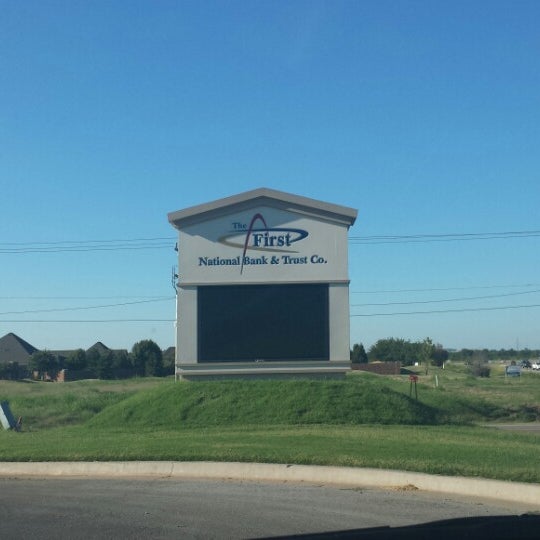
(276, 245)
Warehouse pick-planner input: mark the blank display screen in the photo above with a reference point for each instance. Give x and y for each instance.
(263, 322)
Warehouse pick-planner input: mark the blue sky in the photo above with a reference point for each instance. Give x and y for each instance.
(423, 115)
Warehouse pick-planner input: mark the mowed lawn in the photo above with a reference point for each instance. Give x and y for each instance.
(448, 450)
(364, 421)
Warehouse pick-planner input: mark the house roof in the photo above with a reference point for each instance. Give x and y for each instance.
(169, 351)
(258, 197)
(99, 347)
(15, 349)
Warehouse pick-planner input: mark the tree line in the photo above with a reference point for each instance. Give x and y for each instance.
(496, 354)
(411, 352)
(408, 353)
(146, 359)
(426, 353)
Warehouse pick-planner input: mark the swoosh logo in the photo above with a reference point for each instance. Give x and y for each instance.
(269, 239)
(250, 230)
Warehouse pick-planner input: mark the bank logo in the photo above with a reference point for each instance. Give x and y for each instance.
(273, 246)
(262, 238)
(259, 236)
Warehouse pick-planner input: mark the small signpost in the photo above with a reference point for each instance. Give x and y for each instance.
(6, 418)
(413, 380)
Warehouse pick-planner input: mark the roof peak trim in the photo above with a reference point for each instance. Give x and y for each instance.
(279, 199)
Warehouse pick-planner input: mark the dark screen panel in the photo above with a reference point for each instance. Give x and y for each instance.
(263, 322)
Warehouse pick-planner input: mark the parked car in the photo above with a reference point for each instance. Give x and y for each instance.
(524, 364)
(536, 365)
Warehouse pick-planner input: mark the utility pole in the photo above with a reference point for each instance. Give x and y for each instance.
(174, 277)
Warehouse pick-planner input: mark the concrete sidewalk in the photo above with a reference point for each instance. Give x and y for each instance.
(265, 472)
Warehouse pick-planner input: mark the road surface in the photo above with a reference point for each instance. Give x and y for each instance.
(63, 508)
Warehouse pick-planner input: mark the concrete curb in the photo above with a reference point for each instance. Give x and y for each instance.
(346, 476)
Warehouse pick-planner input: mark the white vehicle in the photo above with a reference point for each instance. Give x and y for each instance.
(536, 365)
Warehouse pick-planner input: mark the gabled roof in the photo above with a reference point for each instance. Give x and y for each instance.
(99, 347)
(169, 351)
(15, 349)
(259, 197)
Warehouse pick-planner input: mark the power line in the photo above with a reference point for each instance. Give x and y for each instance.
(163, 299)
(160, 242)
(78, 297)
(453, 237)
(448, 288)
(107, 241)
(462, 299)
(377, 291)
(444, 311)
(81, 308)
(165, 242)
(81, 249)
(62, 321)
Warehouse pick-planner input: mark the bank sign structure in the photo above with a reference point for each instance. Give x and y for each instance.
(263, 287)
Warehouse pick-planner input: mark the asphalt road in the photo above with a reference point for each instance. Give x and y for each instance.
(529, 427)
(187, 509)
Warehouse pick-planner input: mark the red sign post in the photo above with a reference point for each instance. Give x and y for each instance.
(413, 380)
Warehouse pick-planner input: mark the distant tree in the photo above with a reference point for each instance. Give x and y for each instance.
(121, 360)
(393, 349)
(12, 371)
(169, 361)
(100, 363)
(93, 360)
(104, 370)
(439, 355)
(386, 350)
(147, 358)
(4, 371)
(478, 365)
(463, 355)
(45, 363)
(358, 354)
(425, 350)
(76, 360)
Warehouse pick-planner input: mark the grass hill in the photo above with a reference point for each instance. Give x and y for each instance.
(449, 396)
(234, 403)
(364, 420)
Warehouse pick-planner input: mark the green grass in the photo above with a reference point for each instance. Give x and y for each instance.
(45, 405)
(449, 450)
(462, 398)
(294, 402)
(365, 421)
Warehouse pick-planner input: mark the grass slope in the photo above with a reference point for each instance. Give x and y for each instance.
(48, 405)
(460, 398)
(364, 421)
(234, 403)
